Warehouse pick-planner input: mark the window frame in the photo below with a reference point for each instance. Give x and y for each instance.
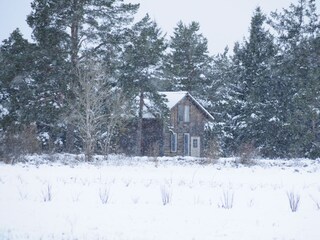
(173, 142)
(183, 113)
(195, 143)
(186, 147)
(180, 113)
(186, 113)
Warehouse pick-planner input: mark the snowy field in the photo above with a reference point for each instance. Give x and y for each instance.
(132, 198)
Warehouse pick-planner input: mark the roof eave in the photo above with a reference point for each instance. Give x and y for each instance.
(205, 111)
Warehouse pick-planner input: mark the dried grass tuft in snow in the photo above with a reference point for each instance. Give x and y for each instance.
(316, 202)
(294, 200)
(22, 194)
(47, 193)
(104, 194)
(166, 194)
(226, 200)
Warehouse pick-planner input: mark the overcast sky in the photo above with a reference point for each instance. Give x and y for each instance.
(222, 22)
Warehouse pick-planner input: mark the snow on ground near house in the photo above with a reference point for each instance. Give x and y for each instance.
(131, 198)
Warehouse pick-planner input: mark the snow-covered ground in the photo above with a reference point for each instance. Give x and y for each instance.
(134, 198)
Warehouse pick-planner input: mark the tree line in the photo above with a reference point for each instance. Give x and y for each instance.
(85, 76)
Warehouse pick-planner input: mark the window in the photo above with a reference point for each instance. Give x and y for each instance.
(174, 142)
(186, 144)
(187, 113)
(183, 113)
(180, 113)
(195, 143)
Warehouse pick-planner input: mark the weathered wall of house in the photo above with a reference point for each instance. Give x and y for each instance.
(195, 127)
(157, 136)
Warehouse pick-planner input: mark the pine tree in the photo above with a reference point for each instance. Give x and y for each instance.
(16, 83)
(219, 98)
(297, 72)
(188, 60)
(252, 65)
(67, 32)
(141, 70)
(17, 94)
(79, 26)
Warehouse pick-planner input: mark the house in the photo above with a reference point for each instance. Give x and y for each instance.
(183, 132)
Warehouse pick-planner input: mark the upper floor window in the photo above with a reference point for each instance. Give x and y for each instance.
(187, 113)
(180, 113)
(183, 113)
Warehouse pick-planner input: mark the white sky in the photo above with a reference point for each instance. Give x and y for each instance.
(222, 22)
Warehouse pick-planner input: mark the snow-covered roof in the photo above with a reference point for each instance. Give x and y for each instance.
(175, 97)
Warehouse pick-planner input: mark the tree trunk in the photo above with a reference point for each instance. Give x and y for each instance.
(89, 149)
(70, 138)
(75, 34)
(139, 129)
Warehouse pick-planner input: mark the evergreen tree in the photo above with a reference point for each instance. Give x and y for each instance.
(253, 62)
(141, 70)
(65, 33)
(188, 60)
(297, 72)
(77, 27)
(219, 98)
(17, 87)
(17, 94)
